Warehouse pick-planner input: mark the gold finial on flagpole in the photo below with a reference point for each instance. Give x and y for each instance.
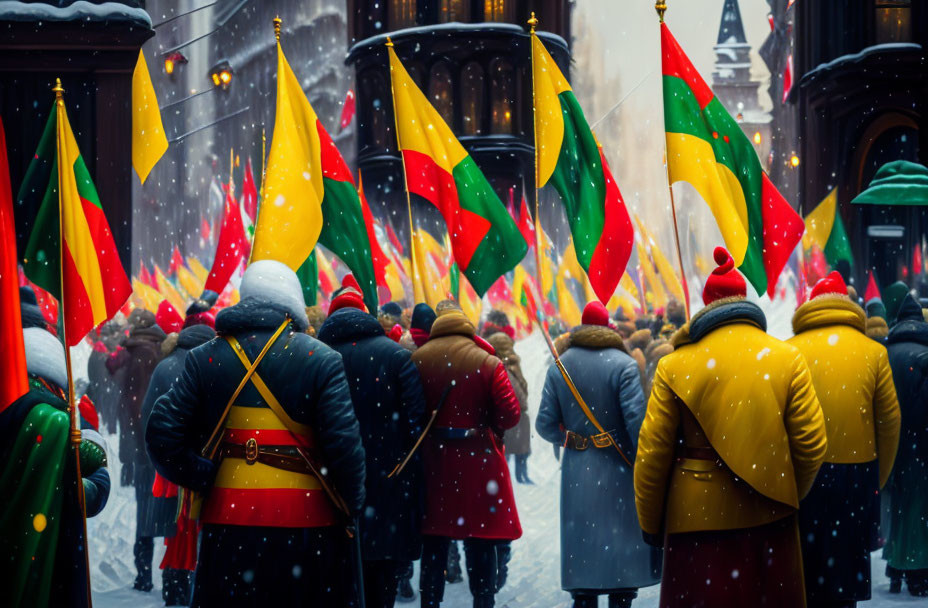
(661, 7)
(389, 42)
(277, 23)
(532, 23)
(58, 89)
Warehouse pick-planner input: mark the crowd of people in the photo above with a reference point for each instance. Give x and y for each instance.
(291, 455)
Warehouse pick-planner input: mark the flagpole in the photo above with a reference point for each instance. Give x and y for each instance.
(414, 266)
(532, 23)
(73, 412)
(661, 7)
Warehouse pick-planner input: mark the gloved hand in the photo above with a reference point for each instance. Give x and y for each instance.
(92, 457)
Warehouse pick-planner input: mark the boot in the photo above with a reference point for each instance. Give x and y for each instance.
(895, 585)
(405, 593)
(503, 557)
(143, 552)
(484, 601)
(582, 600)
(522, 470)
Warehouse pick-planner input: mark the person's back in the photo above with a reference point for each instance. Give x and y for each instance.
(906, 549)
(839, 518)
(468, 488)
(266, 513)
(753, 438)
(602, 552)
(390, 407)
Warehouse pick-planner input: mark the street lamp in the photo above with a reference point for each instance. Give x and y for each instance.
(172, 60)
(221, 75)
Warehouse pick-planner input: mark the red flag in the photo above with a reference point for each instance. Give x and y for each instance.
(500, 293)
(250, 193)
(347, 111)
(204, 229)
(787, 78)
(146, 277)
(394, 240)
(177, 261)
(526, 226)
(231, 247)
(872, 290)
(15, 379)
(917, 266)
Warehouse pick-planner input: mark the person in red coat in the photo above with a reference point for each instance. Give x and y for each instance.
(468, 488)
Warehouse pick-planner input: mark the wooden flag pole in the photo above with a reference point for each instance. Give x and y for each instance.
(661, 7)
(417, 287)
(74, 413)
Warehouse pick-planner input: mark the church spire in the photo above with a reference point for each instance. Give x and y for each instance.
(731, 29)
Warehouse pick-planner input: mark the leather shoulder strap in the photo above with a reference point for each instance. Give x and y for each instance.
(266, 394)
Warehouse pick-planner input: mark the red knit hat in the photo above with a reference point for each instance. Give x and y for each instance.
(831, 284)
(167, 318)
(595, 313)
(348, 296)
(725, 281)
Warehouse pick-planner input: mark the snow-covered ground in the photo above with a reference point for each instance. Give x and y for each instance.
(534, 579)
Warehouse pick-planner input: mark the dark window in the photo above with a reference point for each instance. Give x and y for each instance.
(441, 92)
(499, 10)
(374, 94)
(893, 21)
(453, 10)
(472, 99)
(402, 13)
(502, 89)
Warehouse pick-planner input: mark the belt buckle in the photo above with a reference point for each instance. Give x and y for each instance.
(602, 440)
(251, 451)
(581, 443)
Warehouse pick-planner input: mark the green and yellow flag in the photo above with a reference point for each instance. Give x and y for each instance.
(825, 229)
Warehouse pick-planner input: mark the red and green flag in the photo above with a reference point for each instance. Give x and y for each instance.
(86, 265)
(568, 157)
(484, 238)
(707, 148)
(825, 229)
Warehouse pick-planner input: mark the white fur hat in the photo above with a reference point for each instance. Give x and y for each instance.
(45, 356)
(275, 281)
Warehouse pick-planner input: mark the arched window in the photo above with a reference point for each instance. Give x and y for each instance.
(472, 99)
(499, 10)
(402, 13)
(502, 91)
(441, 92)
(893, 21)
(453, 10)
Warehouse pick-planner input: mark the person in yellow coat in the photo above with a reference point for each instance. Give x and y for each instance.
(839, 519)
(732, 440)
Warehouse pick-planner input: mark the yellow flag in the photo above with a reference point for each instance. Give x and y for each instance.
(566, 304)
(191, 284)
(290, 217)
(655, 291)
(149, 142)
(145, 296)
(668, 274)
(430, 280)
(820, 221)
(197, 268)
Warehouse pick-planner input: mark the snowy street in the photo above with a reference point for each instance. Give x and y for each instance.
(534, 577)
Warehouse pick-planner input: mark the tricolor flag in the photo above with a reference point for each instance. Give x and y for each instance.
(707, 148)
(568, 157)
(825, 229)
(485, 240)
(94, 282)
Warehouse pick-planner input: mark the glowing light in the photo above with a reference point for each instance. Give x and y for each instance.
(39, 522)
(757, 138)
(794, 161)
(216, 79)
(169, 66)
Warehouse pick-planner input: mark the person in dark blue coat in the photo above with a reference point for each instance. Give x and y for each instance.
(390, 406)
(157, 515)
(290, 472)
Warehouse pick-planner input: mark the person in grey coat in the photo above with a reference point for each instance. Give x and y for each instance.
(602, 551)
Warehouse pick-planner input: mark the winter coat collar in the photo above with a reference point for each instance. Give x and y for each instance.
(911, 330)
(347, 324)
(255, 313)
(191, 337)
(718, 313)
(504, 347)
(596, 337)
(451, 324)
(877, 328)
(829, 309)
